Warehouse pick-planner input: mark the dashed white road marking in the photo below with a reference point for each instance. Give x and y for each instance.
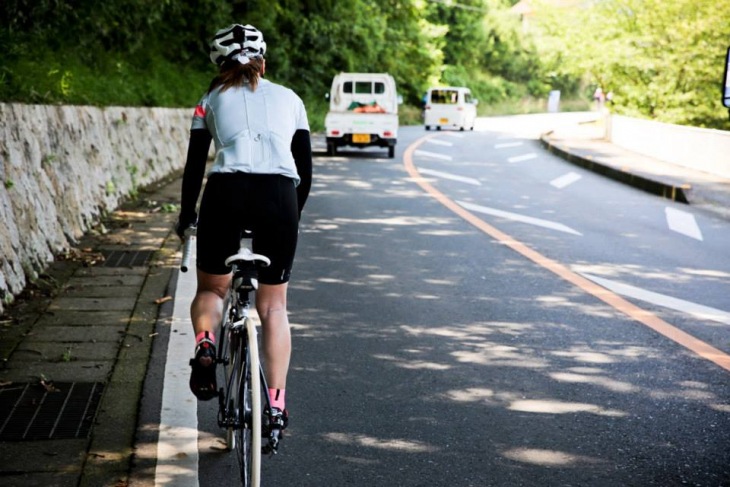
(440, 142)
(683, 222)
(565, 180)
(518, 218)
(433, 155)
(454, 134)
(177, 447)
(694, 309)
(507, 145)
(524, 157)
(453, 177)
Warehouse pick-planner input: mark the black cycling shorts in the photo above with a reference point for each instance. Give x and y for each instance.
(263, 203)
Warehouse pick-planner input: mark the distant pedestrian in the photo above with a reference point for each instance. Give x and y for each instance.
(599, 97)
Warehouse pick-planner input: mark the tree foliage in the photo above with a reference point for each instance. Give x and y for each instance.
(155, 51)
(661, 58)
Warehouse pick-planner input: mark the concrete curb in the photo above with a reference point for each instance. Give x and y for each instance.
(660, 188)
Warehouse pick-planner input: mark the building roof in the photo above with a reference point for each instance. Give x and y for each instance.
(526, 7)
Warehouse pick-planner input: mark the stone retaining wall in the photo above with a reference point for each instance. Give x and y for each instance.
(62, 167)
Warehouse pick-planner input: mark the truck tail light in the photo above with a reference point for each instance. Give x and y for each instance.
(387, 133)
(335, 132)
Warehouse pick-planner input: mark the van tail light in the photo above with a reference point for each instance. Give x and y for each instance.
(387, 133)
(335, 132)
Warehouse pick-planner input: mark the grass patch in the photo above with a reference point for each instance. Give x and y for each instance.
(530, 105)
(409, 115)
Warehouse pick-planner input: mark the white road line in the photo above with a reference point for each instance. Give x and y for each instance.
(453, 134)
(433, 155)
(683, 222)
(453, 177)
(565, 180)
(177, 447)
(440, 142)
(694, 309)
(508, 144)
(525, 157)
(519, 218)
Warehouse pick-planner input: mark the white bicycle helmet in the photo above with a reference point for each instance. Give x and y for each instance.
(237, 43)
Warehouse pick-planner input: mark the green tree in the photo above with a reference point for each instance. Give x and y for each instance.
(662, 59)
(485, 49)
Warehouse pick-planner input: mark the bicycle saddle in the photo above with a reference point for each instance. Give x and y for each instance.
(246, 255)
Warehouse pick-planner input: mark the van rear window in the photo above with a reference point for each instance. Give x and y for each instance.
(364, 87)
(446, 97)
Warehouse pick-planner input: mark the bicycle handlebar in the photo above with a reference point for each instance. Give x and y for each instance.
(190, 234)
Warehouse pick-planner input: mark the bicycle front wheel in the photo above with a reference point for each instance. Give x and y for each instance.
(249, 441)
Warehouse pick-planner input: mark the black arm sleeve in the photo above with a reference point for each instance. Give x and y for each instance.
(301, 149)
(194, 172)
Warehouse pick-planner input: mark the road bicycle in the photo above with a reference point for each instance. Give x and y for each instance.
(244, 405)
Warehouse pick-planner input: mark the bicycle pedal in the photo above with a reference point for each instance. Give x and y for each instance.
(274, 440)
(270, 449)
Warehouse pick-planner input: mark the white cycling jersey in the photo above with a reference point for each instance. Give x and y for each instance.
(252, 130)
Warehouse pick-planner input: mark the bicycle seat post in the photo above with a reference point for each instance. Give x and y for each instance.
(246, 243)
(245, 281)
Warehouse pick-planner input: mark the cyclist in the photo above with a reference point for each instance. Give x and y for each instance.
(260, 178)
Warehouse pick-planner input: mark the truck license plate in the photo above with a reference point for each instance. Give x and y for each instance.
(443, 121)
(360, 138)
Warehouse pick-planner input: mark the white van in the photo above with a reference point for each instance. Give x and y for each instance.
(450, 107)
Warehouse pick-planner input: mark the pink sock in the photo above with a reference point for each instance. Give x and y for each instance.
(277, 397)
(204, 334)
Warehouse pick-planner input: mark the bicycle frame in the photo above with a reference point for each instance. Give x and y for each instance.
(238, 326)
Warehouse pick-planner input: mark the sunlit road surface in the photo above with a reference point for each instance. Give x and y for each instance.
(430, 352)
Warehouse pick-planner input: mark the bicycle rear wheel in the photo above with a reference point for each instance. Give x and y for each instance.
(249, 441)
(233, 406)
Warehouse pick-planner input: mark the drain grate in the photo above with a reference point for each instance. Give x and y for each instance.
(33, 412)
(126, 258)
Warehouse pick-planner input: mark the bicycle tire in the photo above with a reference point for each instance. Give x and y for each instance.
(234, 371)
(249, 441)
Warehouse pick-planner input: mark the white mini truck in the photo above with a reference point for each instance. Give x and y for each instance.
(363, 112)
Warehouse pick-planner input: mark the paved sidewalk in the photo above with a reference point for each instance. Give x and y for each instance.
(584, 145)
(75, 348)
(75, 351)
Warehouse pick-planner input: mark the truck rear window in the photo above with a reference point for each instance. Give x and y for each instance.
(364, 87)
(446, 97)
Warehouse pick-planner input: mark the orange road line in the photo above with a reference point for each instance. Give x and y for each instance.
(643, 316)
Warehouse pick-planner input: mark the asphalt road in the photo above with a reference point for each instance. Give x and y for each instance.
(434, 350)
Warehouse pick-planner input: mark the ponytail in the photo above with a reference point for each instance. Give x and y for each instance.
(234, 74)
